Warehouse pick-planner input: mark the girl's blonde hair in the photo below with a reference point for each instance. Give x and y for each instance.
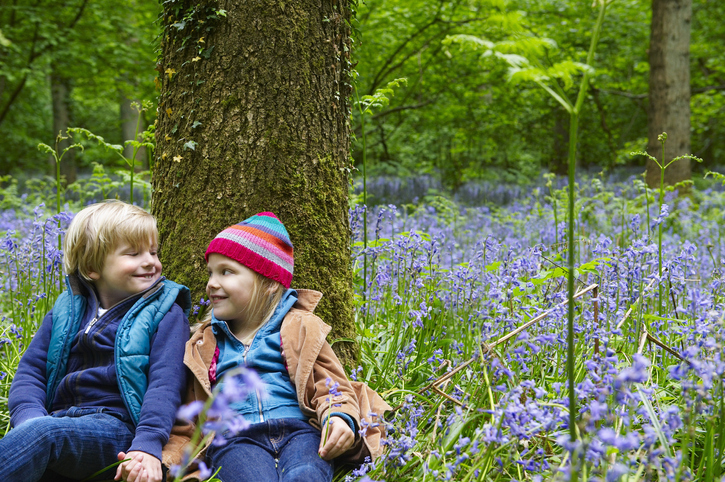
(266, 295)
(99, 229)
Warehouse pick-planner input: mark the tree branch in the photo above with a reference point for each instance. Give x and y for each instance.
(696, 90)
(700, 90)
(12, 98)
(35, 55)
(629, 95)
(401, 108)
(391, 58)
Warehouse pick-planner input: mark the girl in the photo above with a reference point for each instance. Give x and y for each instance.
(257, 321)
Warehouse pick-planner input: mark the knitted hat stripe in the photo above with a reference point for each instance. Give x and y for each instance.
(237, 236)
(272, 226)
(250, 232)
(258, 249)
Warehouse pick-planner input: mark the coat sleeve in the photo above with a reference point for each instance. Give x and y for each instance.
(167, 384)
(327, 371)
(27, 395)
(356, 400)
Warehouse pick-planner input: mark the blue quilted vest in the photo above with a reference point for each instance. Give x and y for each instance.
(133, 339)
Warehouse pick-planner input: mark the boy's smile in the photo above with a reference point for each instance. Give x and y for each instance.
(126, 271)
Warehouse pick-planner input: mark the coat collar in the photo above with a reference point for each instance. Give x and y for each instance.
(307, 300)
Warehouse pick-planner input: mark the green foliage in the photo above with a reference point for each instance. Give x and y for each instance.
(460, 119)
(102, 52)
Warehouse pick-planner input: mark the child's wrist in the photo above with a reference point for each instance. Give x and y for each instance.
(347, 418)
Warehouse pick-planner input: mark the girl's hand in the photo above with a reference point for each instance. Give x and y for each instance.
(339, 439)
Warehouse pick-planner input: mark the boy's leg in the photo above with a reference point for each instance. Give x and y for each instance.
(74, 444)
(297, 444)
(247, 456)
(49, 476)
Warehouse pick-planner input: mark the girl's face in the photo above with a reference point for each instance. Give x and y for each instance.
(229, 288)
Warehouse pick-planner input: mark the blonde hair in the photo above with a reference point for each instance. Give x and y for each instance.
(266, 295)
(99, 229)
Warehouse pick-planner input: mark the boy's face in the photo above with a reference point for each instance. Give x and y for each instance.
(126, 271)
(229, 288)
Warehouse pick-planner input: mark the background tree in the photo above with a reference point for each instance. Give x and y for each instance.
(458, 119)
(253, 116)
(669, 88)
(70, 62)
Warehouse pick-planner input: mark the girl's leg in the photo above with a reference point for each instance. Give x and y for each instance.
(244, 457)
(298, 458)
(75, 445)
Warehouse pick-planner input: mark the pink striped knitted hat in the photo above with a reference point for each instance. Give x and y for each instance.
(261, 243)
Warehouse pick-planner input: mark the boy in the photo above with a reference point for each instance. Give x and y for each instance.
(104, 374)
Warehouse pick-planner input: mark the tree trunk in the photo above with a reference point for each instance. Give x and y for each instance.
(669, 88)
(254, 116)
(558, 164)
(60, 88)
(129, 121)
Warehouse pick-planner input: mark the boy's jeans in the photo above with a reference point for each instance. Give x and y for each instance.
(70, 444)
(282, 449)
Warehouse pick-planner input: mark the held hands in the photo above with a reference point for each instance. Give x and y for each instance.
(141, 468)
(339, 439)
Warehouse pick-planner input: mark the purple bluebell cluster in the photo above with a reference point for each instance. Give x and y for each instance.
(30, 281)
(440, 284)
(216, 419)
(445, 282)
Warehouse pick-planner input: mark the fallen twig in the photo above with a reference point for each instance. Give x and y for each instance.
(664, 347)
(488, 348)
(541, 317)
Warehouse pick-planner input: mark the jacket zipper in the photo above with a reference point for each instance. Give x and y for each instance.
(256, 392)
(90, 324)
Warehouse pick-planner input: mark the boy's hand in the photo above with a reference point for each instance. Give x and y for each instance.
(339, 439)
(141, 468)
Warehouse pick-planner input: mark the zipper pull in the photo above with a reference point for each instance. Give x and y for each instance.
(90, 324)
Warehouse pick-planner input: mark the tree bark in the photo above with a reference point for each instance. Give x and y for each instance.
(558, 163)
(60, 89)
(254, 116)
(669, 88)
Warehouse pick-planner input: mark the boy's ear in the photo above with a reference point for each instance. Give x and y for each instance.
(94, 276)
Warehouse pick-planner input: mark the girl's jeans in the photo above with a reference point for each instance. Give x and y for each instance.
(67, 445)
(283, 450)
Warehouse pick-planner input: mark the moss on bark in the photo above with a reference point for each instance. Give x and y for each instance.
(253, 116)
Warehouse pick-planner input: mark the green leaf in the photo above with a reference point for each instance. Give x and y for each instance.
(493, 266)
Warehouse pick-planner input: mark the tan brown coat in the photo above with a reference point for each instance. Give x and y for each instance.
(310, 362)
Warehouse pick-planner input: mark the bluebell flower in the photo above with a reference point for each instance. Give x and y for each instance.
(615, 473)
